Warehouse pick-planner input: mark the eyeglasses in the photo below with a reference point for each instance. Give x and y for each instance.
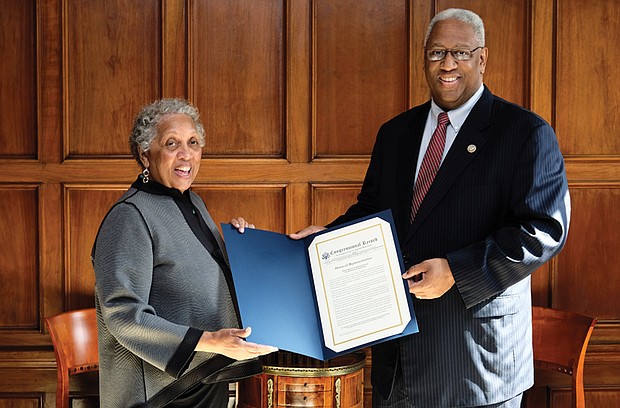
(459, 54)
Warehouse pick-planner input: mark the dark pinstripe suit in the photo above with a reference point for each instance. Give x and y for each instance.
(496, 214)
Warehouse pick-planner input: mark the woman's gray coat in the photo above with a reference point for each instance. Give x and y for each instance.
(157, 290)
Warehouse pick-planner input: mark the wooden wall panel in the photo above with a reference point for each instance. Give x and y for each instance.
(18, 87)
(112, 68)
(331, 200)
(27, 375)
(237, 75)
(20, 402)
(603, 398)
(85, 207)
(19, 303)
(586, 281)
(600, 397)
(298, 82)
(540, 283)
(50, 113)
(586, 104)
(360, 71)
(261, 205)
(174, 49)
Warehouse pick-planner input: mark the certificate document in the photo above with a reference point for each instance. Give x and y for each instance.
(358, 284)
(331, 293)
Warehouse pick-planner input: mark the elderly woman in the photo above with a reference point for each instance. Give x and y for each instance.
(168, 324)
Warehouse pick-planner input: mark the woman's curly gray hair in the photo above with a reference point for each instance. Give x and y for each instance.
(145, 126)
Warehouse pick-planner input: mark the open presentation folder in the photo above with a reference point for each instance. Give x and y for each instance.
(329, 294)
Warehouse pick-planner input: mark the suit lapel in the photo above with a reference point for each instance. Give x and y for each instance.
(459, 156)
(408, 149)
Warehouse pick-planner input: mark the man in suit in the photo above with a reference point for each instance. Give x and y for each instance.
(496, 210)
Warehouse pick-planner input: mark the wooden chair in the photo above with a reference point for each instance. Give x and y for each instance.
(560, 342)
(74, 336)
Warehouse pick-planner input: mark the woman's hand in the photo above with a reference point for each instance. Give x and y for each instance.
(231, 343)
(241, 224)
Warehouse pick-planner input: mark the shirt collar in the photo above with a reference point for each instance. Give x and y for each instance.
(154, 187)
(457, 116)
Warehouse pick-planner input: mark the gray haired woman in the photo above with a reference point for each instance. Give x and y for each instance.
(169, 329)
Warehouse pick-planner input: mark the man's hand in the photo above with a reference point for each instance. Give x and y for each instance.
(429, 279)
(306, 231)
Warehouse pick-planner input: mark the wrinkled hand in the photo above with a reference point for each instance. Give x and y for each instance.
(429, 279)
(306, 231)
(231, 343)
(241, 224)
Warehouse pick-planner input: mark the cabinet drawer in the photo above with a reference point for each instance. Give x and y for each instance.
(294, 384)
(305, 399)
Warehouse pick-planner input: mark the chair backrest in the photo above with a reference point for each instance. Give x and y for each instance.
(74, 336)
(560, 342)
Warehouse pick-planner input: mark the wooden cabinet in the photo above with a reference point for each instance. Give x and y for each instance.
(302, 382)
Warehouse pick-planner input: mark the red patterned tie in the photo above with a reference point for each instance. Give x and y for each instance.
(430, 163)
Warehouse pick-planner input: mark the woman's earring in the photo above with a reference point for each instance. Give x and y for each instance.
(145, 175)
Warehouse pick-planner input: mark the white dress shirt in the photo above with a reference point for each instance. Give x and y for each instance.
(457, 118)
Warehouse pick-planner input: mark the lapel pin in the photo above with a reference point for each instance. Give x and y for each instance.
(471, 148)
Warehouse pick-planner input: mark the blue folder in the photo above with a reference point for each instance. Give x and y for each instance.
(275, 292)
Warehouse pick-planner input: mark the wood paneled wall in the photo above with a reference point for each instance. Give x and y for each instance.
(292, 93)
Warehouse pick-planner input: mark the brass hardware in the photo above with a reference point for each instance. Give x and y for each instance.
(313, 371)
(270, 393)
(337, 384)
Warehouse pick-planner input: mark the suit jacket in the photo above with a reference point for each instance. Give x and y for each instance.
(497, 210)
